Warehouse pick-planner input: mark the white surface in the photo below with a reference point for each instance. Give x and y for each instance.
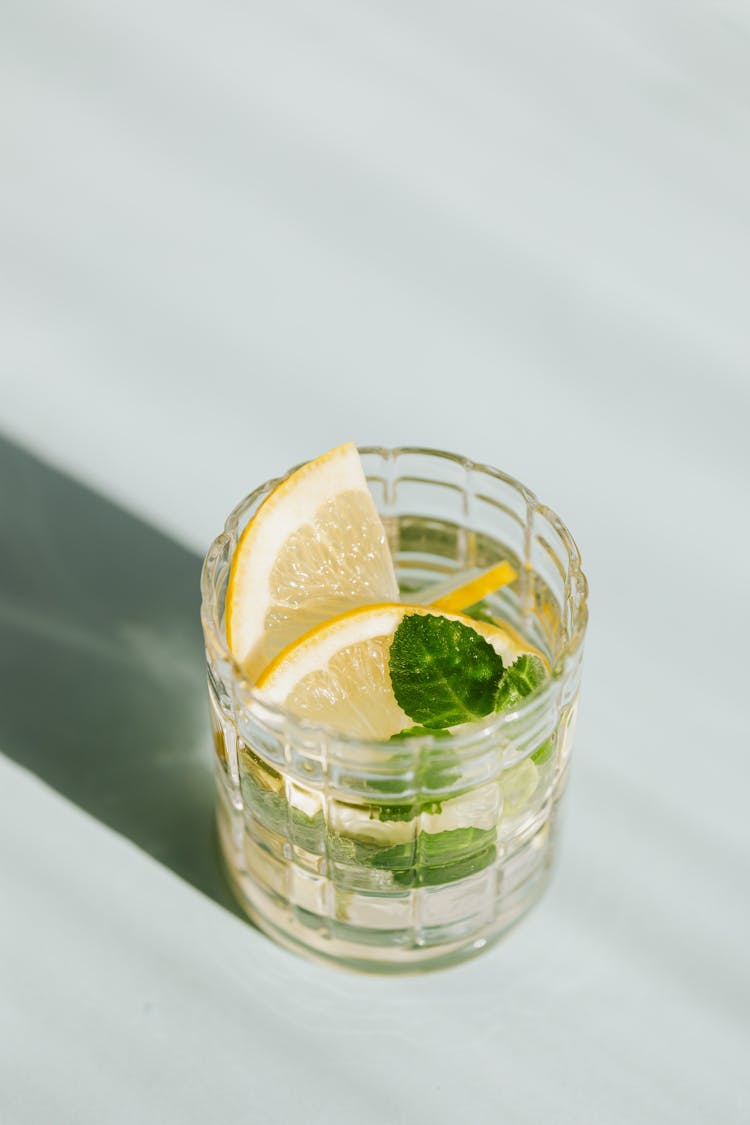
(133, 998)
(232, 236)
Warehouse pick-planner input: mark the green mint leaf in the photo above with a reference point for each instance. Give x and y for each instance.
(430, 774)
(443, 672)
(400, 812)
(418, 732)
(480, 611)
(440, 857)
(544, 753)
(524, 676)
(263, 794)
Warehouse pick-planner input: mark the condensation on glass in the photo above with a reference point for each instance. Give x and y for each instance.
(335, 847)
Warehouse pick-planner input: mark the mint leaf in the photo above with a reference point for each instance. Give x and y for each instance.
(544, 753)
(429, 774)
(418, 732)
(433, 858)
(263, 795)
(443, 672)
(402, 812)
(440, 857)
(480, 611)
(524, 676)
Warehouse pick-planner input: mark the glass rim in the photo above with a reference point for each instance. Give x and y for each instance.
(475, 735)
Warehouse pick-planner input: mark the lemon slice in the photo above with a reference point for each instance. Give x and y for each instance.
(338, 674)
(457, 598)
(315, 548)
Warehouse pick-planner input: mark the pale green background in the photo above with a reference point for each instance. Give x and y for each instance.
(232, 235)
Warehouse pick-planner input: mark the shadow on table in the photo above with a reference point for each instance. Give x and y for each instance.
(102, 686)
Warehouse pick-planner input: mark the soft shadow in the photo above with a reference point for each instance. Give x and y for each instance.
(102, 684)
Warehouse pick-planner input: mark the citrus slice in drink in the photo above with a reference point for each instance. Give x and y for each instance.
(315, 548)
(338, 673)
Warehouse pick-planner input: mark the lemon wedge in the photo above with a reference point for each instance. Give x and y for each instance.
(458, 598)
(338, 673)
(315, 548)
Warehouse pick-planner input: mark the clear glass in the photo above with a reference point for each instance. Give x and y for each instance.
(336, 847)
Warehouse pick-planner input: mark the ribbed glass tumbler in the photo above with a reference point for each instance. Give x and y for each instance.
(354, 852)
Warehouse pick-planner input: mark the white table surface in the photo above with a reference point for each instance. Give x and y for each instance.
(231, 236)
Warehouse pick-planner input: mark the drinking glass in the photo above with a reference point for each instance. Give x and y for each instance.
(353, 851)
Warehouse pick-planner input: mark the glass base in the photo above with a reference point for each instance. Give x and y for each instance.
(420, 929)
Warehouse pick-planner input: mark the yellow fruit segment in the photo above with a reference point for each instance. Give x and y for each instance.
(337, 674)
(315, 548)
(472, 592)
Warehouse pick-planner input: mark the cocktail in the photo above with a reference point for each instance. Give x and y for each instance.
(394, 643)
